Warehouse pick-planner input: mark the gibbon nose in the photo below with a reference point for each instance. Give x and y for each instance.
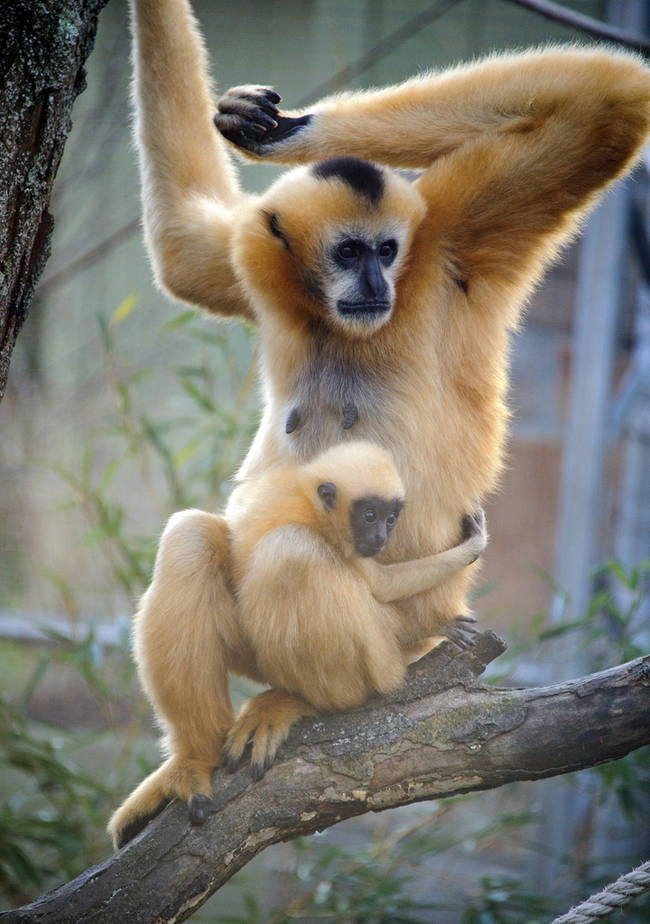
(371, 542)
(377, 539)
(372, 277)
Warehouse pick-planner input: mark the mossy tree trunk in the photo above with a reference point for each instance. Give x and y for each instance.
(43, 50)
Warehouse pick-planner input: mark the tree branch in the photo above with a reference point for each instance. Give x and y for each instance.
(443, 733)
(44, 47)
(562, 14)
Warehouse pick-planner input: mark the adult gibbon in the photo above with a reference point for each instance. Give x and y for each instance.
(314, 616)
(384, 308)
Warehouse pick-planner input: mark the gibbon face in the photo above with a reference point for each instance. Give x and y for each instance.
(340, 231)
(370, 518)
(359, 493)
(357, 283)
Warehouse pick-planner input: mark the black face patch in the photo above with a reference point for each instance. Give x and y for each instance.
(364, 177)
(372, 518)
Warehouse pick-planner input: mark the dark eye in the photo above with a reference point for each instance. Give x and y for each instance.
(387, 252)
(391, 520)
(370, 516)
(348, 251)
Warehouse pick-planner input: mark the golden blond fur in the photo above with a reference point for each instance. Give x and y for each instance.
(299, 589)
(514, 150)
(316, 614)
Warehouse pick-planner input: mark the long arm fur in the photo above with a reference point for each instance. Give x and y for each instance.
(514, 148)
(573, 121)
(189, 186)
(414, 123)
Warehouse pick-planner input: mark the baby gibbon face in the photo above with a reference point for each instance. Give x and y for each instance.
(342, 230)
(370, 518)
(359, 494)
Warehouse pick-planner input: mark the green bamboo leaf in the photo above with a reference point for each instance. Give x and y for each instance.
(209, 336)
(180, 320)
(186, 453)
(198, 396)
(104, 333)
(20, 864)
(69, 477)
(196, 372)
(93, 536)
(86, 468)
(554, 631)
(109, 474)
(125, 308)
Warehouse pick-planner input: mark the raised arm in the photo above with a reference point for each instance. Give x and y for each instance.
(508, 198)
(514, 148)
(414, 123)
(389, 583)
(189, 187)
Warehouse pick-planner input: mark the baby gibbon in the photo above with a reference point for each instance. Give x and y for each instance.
(314, 604)
(311, 615)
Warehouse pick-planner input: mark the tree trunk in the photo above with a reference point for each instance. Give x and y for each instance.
(442, 733)
(44, 47)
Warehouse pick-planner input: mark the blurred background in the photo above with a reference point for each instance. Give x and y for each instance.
(122, 407)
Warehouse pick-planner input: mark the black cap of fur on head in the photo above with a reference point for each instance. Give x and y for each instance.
(364, 177)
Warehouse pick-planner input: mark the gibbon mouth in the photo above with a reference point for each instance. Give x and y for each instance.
(369, 551)
(362, 309)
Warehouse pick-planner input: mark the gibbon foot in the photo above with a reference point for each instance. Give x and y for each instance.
(264, 738)
(198, 809)
(249, 117)
(178, 777)
(129, 831)
(462, 631)
(264, 722)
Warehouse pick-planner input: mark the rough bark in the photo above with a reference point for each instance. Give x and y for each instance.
(44, 47)
(443, 733)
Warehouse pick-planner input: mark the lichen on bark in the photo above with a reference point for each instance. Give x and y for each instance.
(44, 47)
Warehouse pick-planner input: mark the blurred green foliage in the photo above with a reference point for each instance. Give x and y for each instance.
(47, 825)
(54, 812)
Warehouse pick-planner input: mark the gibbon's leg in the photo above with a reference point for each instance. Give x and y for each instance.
(389, 583)
(189, 185)
(339, 618)
(322, 642)
(184, 632)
